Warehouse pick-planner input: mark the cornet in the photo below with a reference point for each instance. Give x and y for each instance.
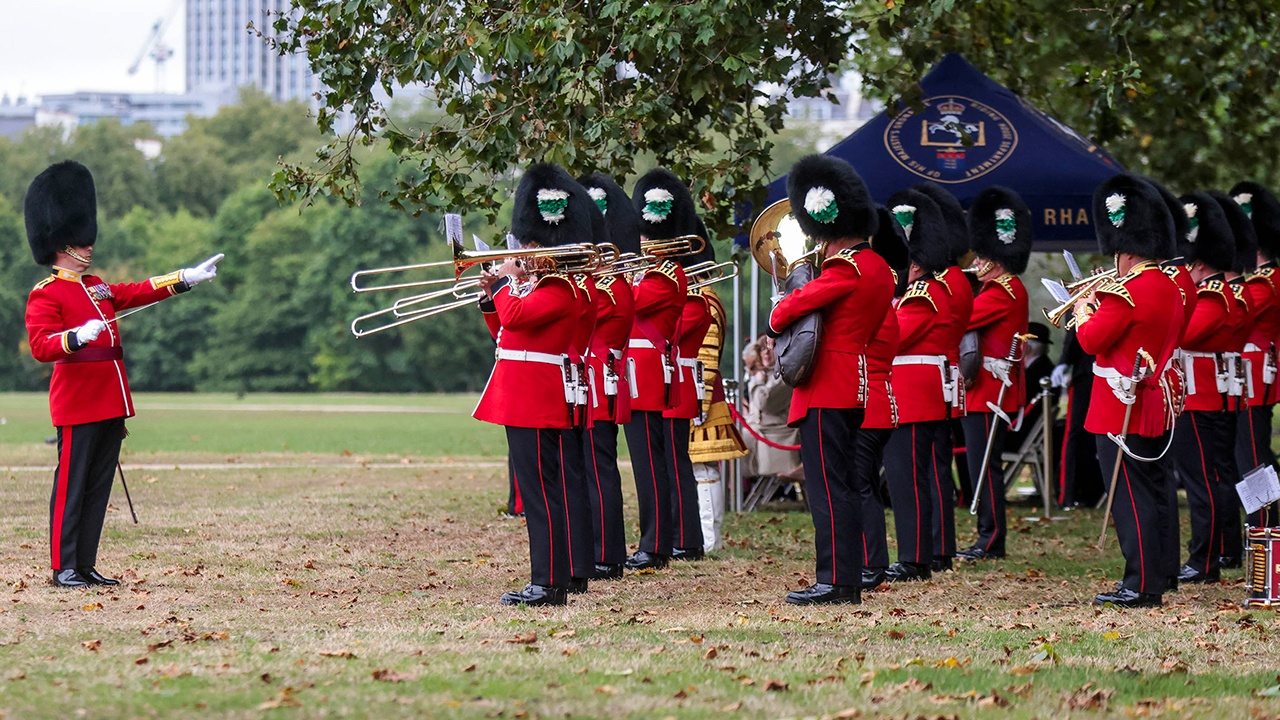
(1060, 316)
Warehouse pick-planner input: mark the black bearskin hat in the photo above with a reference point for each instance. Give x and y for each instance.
(1246, 258)
(1209, 239)
(829, 200)
(664, 205)
(61, 209)
(1180, 224)
(551, 208)
(954, 214)
(1264, 210)
(890, 243)
(619, 213)
(1000, 228)
(1131, 217)
(925, 228)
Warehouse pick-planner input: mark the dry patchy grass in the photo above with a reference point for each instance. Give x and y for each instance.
(372, 592)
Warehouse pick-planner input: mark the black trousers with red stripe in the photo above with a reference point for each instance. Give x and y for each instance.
(647, 440)
(1204, 454)
(535, 459)
(604, 487)
(1137, 512)
(909, 463)
(87, 459)
(942, 491)
(577, 503)
(991, 519)
(686, 523)
(869, 454)
(828, 441)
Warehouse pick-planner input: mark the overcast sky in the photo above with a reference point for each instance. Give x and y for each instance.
(60, 46)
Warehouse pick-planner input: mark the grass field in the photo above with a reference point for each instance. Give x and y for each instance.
(328, 587)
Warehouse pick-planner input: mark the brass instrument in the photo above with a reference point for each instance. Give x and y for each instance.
(791, 257)
(710, 273)
(1060, 316)
(578, 258)
(626, 264)
(671, 247)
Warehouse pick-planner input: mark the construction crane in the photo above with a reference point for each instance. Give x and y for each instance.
(155, 47)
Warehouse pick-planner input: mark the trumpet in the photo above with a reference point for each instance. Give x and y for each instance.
(1060, 316)
(710, 273)
(579, 258)
(671, 247)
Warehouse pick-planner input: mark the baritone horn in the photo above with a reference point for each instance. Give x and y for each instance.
(784, 251)
(672, 247)
(710, 272)
(454, 292)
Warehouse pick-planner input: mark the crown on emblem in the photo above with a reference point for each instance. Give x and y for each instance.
(951, 107)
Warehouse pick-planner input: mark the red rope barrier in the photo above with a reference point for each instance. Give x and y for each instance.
(733, 410)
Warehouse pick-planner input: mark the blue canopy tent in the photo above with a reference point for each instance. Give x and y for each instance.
(971, 133)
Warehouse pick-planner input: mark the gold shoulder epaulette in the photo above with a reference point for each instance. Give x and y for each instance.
(696, 292)
(920, 289)
(557, 276)
(43, 282)
(605, 285)
(1117, 288)
(1237, 289)
(1006, 282)
(580, 281)
(1213, 287)
(668, 268)
(1170, 270)
(939, 276)
(849, 255)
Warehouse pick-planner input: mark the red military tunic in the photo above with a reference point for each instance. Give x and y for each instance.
(1260, 353)
(88, 384)
(533, 325)
(1246, 320)
(960, 302)
(659, 302)
(1142, 310)
(853, 292)
(925, 329)
(1188, 292)
(615, 313)
(999, 313)
(695, 320)
(881, 411)
(586, 302)
(1211, 331)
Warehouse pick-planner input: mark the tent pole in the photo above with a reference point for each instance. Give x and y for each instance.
(735, 495)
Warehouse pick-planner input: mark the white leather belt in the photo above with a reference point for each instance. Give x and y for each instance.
(944, 370)
(530, 356)
(1252, 347)
(1122, 386)
(640, 343)
(1188, 360)
(695, 375)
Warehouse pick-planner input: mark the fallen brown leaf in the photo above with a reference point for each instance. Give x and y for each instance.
(91, 645)
(338, 654)
(528, 639)
(390, 676)
(775, 686)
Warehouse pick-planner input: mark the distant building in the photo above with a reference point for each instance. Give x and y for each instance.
(167, 113)
(224, 55)
(15, 116)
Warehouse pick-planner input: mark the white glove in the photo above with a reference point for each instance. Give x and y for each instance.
(89, 331)
(1061, 376)
(206, 270)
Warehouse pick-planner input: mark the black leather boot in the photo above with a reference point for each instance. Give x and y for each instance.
(536, 595)
(642, 560)
(69, 579)
(907, 572)
(824, 594)
(96, 578)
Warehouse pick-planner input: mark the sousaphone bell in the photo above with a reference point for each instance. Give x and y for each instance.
(782, 249)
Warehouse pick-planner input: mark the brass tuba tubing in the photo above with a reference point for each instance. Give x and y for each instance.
(709, 273)
(672, 247)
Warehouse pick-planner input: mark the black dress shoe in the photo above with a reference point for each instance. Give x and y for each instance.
(607, 571)
(642, 560)
(577, 586)
(1126, 598)
(96, 578)
(1230, 562)
(906, 572)
(1171, 583)
(824, 594)
(872, 578)
(1189, 574)
(69, 578)
(536, 595)
(940, 564)
(977, 553)
(695, 553)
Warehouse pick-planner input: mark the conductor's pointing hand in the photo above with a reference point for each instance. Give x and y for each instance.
(206, 270)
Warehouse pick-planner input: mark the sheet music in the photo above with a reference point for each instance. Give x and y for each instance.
(1260, 487)
(1072, 265)
(480, 245)
(453, 229)
(1056, 289)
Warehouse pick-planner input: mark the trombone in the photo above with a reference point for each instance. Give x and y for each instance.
(710, 272)
(578, 258)
(1060, 316)
(671, 247)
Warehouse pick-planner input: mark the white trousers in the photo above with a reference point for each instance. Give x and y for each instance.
(710, 502)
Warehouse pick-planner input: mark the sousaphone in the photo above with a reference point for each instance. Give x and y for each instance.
(782, 249)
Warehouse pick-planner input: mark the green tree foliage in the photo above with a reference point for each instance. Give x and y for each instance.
(589, 85)
(1183, 90)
